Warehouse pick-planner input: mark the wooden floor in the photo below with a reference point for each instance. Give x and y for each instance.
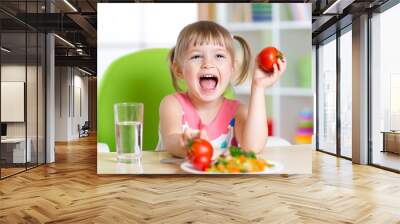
(10, 171)
(70, 191)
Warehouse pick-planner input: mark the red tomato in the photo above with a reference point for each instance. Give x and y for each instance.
(200, 153)
(268, 57)
(201, 162)
(200, 147)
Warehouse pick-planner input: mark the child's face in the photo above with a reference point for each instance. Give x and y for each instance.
(207, 70)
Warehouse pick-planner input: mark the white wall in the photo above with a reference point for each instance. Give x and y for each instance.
(12, 101)
(62, 81)
(33, 126)
(124, 28)
(68, 81)
(13, 73)
(80, 83)
(16, 73)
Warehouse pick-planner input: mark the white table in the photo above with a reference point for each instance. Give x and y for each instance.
(296, 159)
(18, 149)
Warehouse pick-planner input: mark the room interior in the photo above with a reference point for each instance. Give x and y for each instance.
(49, 77)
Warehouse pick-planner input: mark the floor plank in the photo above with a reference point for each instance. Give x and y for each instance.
(70, 191)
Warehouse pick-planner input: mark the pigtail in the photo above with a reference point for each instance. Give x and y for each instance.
(171, 58)
(246, 60)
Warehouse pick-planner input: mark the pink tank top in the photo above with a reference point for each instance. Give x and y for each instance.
(221, 130)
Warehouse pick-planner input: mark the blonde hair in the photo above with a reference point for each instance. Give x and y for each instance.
(203, 32)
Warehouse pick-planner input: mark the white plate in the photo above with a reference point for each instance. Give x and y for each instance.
(187, 166)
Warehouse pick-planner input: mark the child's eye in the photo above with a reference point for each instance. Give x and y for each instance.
(220, 56)
(195, 57)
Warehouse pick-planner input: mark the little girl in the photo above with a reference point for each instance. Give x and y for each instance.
(204, 58)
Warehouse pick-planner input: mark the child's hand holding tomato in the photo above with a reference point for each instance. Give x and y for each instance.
(190, 134)
(200, 153)
(199, 150)
(270, 65)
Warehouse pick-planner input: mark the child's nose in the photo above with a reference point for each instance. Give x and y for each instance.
(207, 63)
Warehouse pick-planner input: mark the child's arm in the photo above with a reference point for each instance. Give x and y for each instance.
(171, 127)
(174, 140)
(251, 128)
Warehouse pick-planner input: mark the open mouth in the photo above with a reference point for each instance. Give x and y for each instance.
(208, 81)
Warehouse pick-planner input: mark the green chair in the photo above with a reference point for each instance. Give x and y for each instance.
(144, 77)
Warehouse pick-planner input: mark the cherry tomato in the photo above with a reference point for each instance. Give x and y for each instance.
(199, 153)
(268, 57)
(201, 162)
(200, 147)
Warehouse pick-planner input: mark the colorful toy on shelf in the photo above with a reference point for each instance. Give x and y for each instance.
(305, 129)
(261, 12)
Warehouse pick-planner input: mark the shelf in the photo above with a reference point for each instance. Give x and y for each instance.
(249, 26)
(295, 25)
(295, 91)
(282, 31)
(262, 26)
(278, 91)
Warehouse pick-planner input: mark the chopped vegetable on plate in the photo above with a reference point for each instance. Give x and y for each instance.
(238, 161)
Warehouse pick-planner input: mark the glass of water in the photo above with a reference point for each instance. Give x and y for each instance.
(128, 119)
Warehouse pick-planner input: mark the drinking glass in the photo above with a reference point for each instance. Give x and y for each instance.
(128, 119)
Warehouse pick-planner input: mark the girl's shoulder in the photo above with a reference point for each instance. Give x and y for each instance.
(173, 97)
(169, 101)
